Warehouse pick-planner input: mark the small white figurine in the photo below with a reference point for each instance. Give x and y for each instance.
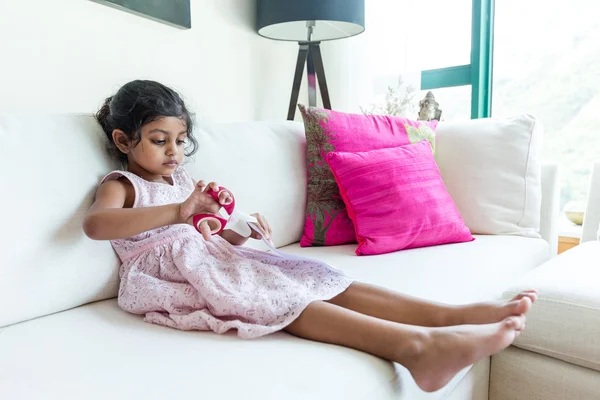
(428, 108)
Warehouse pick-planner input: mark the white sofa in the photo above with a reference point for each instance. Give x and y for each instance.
(62, 335)
(558, 356)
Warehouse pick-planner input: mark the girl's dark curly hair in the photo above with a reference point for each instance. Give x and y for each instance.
(138, 103)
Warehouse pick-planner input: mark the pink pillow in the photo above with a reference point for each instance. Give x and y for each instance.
(327, 222)
(396, 199)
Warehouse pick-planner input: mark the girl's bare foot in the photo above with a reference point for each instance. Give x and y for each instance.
(486, 313)
(443, 352)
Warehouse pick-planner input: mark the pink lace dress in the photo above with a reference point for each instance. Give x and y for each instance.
(177, 279)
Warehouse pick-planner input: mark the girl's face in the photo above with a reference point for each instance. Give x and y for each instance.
(160, 150)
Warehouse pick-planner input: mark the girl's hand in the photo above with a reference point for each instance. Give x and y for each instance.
(237, 240)
(201, 202)
(262, 221)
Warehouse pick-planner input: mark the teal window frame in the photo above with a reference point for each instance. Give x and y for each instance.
(478, 73)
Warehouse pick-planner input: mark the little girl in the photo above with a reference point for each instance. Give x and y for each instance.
(180, 278)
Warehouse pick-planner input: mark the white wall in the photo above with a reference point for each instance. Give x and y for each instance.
(68, 55)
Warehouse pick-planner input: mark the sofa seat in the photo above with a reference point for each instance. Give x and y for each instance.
(565, 322)
(472, 271)
(97, 351)
(558, 355)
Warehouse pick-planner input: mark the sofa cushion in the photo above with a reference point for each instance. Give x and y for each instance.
(454, 273)
(519, 374)
(50, 255)
(327, 222)
(396, 199)
(48, 264)
(98, 351)
(263, 164)
(565, 321)
(492, 170)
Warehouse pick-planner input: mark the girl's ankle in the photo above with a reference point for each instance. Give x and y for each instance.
(416, 345)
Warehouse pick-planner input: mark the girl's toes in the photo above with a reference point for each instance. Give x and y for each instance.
(531, 294)
(523, 306)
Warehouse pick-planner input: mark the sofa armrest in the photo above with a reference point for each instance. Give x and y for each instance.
(550, 206)
(591, 218)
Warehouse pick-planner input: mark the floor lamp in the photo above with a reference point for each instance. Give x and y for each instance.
(309, 22)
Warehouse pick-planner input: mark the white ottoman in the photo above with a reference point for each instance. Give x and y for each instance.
(558, 354)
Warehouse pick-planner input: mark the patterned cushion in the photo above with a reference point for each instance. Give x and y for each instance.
(327, 222)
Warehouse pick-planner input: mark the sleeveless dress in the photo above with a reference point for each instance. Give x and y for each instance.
(177, 279)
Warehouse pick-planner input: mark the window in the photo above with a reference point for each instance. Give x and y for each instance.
(455, 101)
(438, 33)
(547, 63)
(438, 45)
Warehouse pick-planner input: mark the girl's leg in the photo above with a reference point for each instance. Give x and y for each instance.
(432, 355)
(393, 306)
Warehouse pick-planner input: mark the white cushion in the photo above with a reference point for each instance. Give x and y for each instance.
(263, 164)
(565, 321)
(491, 168)
(51, 166)
(99, 352)
(47, 261)
(455, 273)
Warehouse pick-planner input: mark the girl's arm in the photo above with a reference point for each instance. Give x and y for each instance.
(111, 216)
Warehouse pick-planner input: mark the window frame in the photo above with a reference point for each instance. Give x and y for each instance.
(479, 72)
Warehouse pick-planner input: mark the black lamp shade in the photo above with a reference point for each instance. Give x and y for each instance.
(287, 19)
